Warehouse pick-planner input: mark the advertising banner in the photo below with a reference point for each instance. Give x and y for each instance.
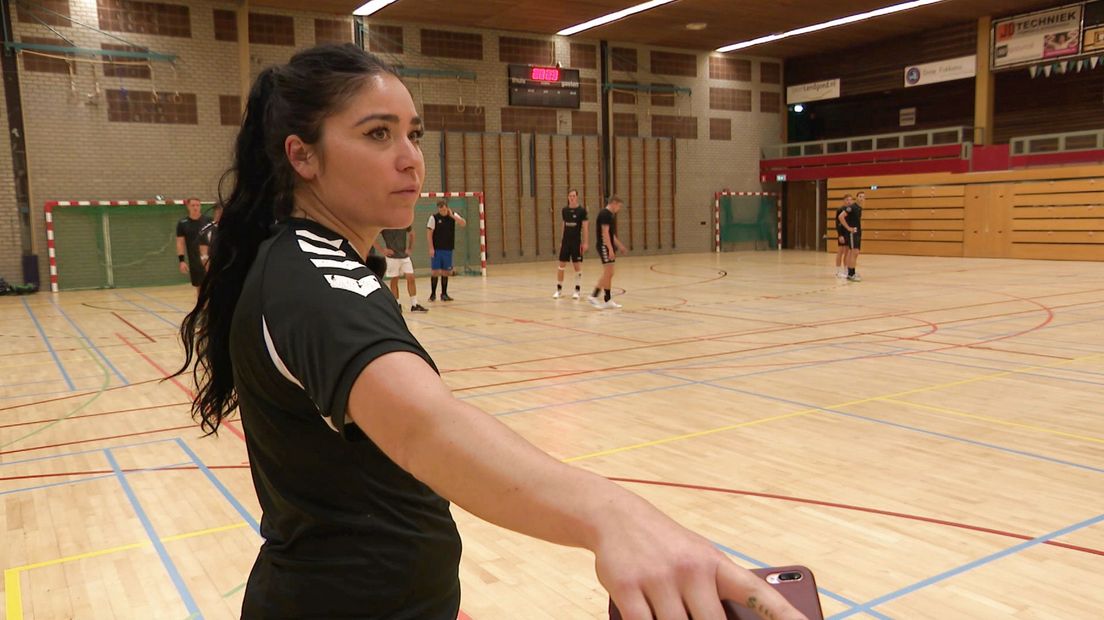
(1033, 37)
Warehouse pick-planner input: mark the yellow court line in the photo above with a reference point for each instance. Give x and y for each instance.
(938, 386)
(13, 593)
(963, 414)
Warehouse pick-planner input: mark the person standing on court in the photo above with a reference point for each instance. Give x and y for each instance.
(851, 218)
(607, 241)
(354, 440)
(572, 243)
(399, 244)
(441, 235)
(841, 238)
(188, 236)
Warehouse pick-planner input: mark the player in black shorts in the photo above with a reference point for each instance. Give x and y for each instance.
(851, 218)
(573, 243)
(841, 238)
(607, 241)
(189, 233)
(354, 440)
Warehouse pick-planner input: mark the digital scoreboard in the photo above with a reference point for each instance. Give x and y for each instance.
(545, 87)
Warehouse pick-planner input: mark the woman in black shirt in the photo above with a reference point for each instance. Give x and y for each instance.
(351, 469)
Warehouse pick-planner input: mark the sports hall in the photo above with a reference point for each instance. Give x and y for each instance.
(926, 438)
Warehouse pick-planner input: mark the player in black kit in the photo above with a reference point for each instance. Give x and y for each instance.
(189, 235)
(354, 440)
(573, 245)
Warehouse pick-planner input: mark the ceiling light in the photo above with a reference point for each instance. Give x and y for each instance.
(372, 6)
(830, 24)
(612, 17)
(696, 26)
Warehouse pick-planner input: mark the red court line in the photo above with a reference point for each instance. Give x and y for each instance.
(132, 326)
(887, 513)
(93, 439)
(93, 415)
(77, 395)
(165, 374)
(544, 324)
(94, 472)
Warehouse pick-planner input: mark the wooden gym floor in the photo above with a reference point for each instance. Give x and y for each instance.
(929, 441)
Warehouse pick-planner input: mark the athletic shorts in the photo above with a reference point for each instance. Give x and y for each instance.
(441, 261)
(196, 272)
(397, 267)
(855, 240)
(604, 254)
(571, 251)
(841, 237)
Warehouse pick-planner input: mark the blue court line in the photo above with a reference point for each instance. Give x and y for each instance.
(80, 452)
(85, 479)
(151, 533)
(160, 302)
(218, 485)
(1024, 374)
(686, 383)
(148, 311)
(825, 592)
(914, 429)
(90, 343)
(869, 605)
(50, 347)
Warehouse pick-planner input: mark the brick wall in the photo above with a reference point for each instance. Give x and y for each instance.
(75, 151)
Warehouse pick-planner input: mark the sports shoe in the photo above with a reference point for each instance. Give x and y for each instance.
(418, 308)
(594, 302)
(841, 274)
(433, 297)
(855, 278)
(557, 294)
(611, 305)
(445, 297)
(575, 295)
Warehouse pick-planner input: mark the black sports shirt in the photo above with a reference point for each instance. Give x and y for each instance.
(348, 534)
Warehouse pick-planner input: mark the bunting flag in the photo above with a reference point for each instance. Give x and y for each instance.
(1033, 70)
(1096, 61)
(1060, 68)
(1047, 69)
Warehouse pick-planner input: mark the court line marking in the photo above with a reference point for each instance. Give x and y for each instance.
(1031, 427)
(96, 395)
(233, 501)
(151, 533)
(759, 564)
(808, 410)
(88, 340)
(49, 346)
(993, 557)
(13, 589)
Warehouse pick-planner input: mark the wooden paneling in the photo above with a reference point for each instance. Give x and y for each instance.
(1053, 213)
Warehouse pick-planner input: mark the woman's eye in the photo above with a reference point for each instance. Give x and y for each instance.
(380, 133)
(416, 136)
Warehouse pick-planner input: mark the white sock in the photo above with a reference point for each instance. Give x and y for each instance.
(413, 301)
(578, 279)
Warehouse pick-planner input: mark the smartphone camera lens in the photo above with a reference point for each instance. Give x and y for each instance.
(792, 576)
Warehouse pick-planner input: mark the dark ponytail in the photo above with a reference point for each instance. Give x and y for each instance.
(293, 99)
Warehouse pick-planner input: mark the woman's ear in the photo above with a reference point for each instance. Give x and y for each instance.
(302, 156)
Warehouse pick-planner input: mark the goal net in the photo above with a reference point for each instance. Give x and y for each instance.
(470, 255)
(746, 220)
(113, 244)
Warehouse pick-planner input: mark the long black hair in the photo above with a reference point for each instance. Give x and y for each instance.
(291, 99)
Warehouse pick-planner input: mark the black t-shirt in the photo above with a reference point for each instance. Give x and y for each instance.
(207, 234)
(573, 224)
(606, 218)
(839, 227)
(444, 231)
(192, 231)
(395, 240)
(854, 215)
(347, 532)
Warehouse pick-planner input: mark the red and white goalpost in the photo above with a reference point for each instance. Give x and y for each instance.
(482, 221)
(717, 214)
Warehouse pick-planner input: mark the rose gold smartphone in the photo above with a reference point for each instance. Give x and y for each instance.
(795, 583)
